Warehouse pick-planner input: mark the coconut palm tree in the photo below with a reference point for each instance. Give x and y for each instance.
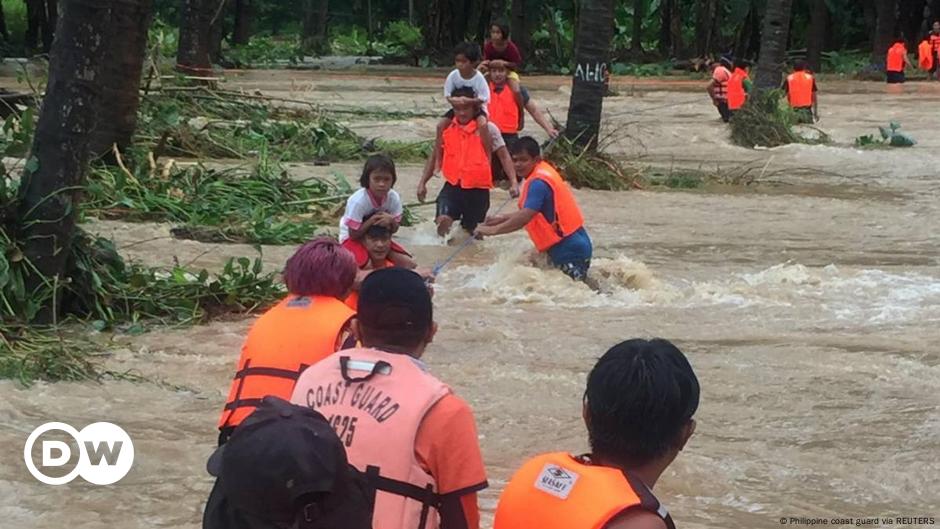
(773, 44)
(120, 75)
(589, 81)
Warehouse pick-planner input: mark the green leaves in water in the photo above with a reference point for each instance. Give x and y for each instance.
(890, 137)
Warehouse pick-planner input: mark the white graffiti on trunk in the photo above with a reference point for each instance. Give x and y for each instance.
(591, 72)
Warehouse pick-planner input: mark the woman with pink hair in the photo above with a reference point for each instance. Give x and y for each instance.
(308, 325)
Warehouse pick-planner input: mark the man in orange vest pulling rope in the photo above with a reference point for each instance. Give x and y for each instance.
(548, 211)
(638, 407)
(800, 87)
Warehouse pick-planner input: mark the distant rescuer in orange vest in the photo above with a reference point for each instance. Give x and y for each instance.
(638, 407)
(934, 39)
(800, 87)
(925, 56)
(548, 211)
(308, 325)
(718, 87)
(414, 440)
(739, 86)
(896, 61)
(468, 174)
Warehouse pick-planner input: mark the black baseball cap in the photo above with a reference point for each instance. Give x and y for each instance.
(394, 299)
(284, 465)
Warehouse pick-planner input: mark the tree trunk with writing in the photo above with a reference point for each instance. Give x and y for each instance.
(887, 12)
(816, 36)
(50, 188)
(120, 75)
(194, 51)
(773, 45)
(592, 53)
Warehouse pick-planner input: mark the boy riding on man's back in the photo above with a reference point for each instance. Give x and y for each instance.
(466, 76)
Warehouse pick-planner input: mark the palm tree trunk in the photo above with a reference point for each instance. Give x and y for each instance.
(120, 75)
(705, 27)
(194, 50)
(35, 18)
(51, 184)
(519, 26)
(639, 12)
(816, 38)
(665, 31)
(244, 15)
(884, 30)
(592, 53)
(3, 25)
(50, 19)
(773, 46)
(313, 36)
(912, 16)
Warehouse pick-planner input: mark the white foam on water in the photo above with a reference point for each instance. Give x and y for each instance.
(866, 295)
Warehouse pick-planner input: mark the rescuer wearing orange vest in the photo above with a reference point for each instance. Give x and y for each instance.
(718, 87)
(305, 327)
(739, 86)
(414, 440)
(896, 61)
(800, 87)
(925, 56)
(934, 39)
(468, 175)
(638, 408)
(548, 211)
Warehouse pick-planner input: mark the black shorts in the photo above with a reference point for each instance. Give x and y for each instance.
(724, 111)
(469, 206)
(895, 77)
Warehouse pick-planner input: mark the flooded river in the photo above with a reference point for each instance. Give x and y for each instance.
(808, 304)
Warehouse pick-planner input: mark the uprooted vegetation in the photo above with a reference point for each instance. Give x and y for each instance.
(199, 122)
(767, 121)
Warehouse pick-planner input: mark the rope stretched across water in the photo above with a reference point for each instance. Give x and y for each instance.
(440, 266)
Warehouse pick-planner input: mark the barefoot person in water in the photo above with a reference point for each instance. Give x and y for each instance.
(548, 211)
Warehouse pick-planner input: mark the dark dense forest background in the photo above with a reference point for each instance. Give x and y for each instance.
(834, 35)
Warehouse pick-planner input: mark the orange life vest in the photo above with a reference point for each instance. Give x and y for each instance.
(558, 491)
(568, 218)
(376, 401)
(800, 89)
(294, 334)
(721, 91)
(736, 94)
(466, 164)
(896, 55)
(925, 55)
(504, 109)
(934, 42)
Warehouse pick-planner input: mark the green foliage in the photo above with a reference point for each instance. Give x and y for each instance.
(17, 136)
(28, 353)
(553, 42)
(14, 11)
(889, 137)
(657, 69)
(849, 62)
(199, 122)
(399, 40)
(765, 120)
(350, 40)
(263, 205)
(267, 51)
(590, 168)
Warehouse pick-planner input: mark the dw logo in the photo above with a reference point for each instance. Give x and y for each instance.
(106, 453)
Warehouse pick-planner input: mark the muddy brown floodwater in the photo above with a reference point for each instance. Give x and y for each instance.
(808, 303)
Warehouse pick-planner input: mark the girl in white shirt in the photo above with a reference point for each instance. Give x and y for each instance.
(381, 204)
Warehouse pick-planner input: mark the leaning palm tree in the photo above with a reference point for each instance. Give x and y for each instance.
(773, 44)
(589, 80)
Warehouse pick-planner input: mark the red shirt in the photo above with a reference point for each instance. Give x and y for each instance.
(935, 42)
(510, 54)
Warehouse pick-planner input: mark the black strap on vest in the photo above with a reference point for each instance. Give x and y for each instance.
(379, 366)
(428, 498)
(648, 501)
(247, 371)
